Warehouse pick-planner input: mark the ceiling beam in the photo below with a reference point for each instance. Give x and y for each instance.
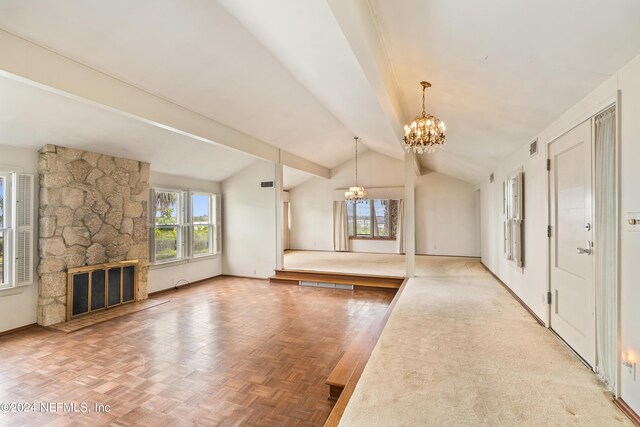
(297, 162)
(36, 65)
(359, 25)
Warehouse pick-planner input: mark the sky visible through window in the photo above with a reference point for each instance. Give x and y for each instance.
(373, 218)
(200, 208)
(363, 210)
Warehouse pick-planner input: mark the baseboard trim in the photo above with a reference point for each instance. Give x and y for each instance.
(450, 256)
(177, 288)
(516, 297)
(633, 416)
(243, 277)
(21, 328)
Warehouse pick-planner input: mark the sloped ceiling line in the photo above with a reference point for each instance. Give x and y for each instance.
(389, 63)
(47, 69)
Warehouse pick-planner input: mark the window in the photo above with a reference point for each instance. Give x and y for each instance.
(16, 229)
(372, 219)
(202, 205)
(4, 231)
(382, 218)
(185, 225)
(513, 203)
(363, 218)
(168, 225)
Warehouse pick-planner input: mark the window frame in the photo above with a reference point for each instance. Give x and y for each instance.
(179, 225)
(7, 230)
(372, 234)
(211, 224)
(185, 227)
(18, 229)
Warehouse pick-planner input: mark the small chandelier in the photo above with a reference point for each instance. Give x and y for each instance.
(356, 193)
(425, 133)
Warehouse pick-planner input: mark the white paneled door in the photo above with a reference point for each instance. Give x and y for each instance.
(572, 282)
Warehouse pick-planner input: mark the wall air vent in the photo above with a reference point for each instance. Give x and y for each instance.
(266, 184)
(491, 178)
(533, 148)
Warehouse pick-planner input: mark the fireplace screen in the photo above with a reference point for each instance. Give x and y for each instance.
(99, 287)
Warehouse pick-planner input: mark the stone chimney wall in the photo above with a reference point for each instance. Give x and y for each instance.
(93, 209)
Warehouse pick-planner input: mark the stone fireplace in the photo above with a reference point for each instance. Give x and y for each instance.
(93, 210)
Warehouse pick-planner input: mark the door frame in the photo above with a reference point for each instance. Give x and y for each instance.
(588, 113)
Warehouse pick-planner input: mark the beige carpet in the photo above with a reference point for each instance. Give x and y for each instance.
(458, 350)
(361, 263)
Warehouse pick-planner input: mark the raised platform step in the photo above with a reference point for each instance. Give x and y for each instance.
(287, 276)
(355, 354)
(344, 377)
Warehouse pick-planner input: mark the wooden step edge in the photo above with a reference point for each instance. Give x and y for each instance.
(335, 392)
(340, 375)
(363, 286)
(341, 404)
(357, 352)
(337, 386)
(337, 273)
(370, 286)
(280, 281)
(341, 281)
(329, 276)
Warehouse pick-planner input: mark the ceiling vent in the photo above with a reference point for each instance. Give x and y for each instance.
(266, 184)
(533, 148)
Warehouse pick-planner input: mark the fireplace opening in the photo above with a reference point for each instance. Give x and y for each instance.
(100, 287)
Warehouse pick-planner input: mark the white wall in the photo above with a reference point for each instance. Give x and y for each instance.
(531, 285)
(18, 307)
(249, 222)
(311, 215)
(438, 199)
(447, 214)
(167, 276)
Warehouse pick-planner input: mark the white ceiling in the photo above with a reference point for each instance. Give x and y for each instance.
(503, 70)
(293, 177)
(306, 37)
(31, 117)
(306, 76)
(193, 53)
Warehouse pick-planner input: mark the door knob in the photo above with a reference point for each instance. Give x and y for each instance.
(584, 251)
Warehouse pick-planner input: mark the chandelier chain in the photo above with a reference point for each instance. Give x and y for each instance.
(356, 193)
(356, 138)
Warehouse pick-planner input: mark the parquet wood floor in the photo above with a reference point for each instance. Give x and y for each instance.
(104, 315)
(228, 352)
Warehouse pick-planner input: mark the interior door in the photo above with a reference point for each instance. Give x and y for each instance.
(572, 284)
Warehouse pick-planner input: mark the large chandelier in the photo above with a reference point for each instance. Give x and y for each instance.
(425, 133)
(356, 193)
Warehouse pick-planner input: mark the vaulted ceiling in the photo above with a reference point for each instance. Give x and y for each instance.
(304, 77)
(31, 117)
